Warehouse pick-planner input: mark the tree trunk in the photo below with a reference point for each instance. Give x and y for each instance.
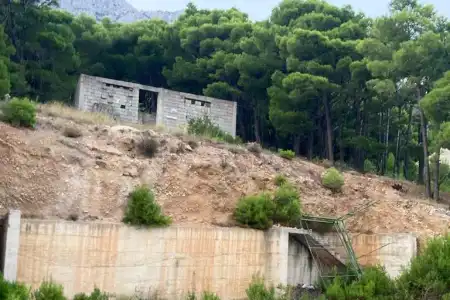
(436, 175)
(341, 146)
(426, 165)
(380, 164)
(408, 138)
(311, 145)
(256, 126)
(386, 140)
(397, 157)
(297, 144)
(329, 129)
(421, 160)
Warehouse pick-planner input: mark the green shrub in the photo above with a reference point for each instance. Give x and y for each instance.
(390, 164)
(258, 291)
(280, 180)
(287, 206)
(332, 179)
(13, 290)
(205, 127)
(428, 276)
(95, 295)
(255, 211)
(374, 284)
(19, 112)
(209, 296)
(49, 291)
(287, 154)
(204, 296)
(369, 166)
(148, 146)
(142, 209)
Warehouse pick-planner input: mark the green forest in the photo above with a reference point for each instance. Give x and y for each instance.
(324, 81)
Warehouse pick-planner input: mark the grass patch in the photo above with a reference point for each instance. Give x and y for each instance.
(287, 154)
(280, 180)
(57, 109)
(254, 148)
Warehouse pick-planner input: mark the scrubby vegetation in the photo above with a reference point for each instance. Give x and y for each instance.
(287, 154)
(255, 211)
(205, 127)
(203, 296)
(143, 210)
(332, 179)
(19, 112)
(280, 180)
(49, 291)
(263, 210)
(287, 206)
(148, 146)
(97, 294)
(254, 148)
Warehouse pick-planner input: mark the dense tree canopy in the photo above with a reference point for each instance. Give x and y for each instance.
(324, 81)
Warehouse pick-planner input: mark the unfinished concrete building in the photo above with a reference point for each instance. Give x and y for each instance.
(137, 103)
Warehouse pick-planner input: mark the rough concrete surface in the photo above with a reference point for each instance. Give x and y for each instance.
(175, 260)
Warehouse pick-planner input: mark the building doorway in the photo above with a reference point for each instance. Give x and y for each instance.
(148, 106)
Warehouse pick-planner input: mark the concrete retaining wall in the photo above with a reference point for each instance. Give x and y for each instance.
(172, 261)
(125, 260)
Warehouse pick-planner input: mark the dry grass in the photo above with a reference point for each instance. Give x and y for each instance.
(254, 148)
(148, 146)
(72, 132)
(56, 109)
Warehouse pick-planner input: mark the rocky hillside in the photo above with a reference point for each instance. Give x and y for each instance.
(116, 10)
(48, 174)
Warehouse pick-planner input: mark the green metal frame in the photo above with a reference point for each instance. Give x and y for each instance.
(329, 224)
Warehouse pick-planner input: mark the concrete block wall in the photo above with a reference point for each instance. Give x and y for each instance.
(118, 99)
(174, 109)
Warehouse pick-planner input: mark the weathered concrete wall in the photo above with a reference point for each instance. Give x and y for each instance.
(10, 244)
(176, 109)
(301, 266)
(393, 251)
(120, 99)
(121, 259)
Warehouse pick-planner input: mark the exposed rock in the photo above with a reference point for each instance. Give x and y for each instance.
(116, 10)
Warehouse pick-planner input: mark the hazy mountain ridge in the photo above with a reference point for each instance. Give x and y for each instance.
(116, 10)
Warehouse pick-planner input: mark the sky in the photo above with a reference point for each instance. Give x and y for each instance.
(261, 9)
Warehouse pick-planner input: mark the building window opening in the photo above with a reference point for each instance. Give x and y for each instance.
(148, 102)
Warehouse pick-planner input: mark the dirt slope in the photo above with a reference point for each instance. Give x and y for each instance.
(47, 174)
